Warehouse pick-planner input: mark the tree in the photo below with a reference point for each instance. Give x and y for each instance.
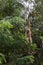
(14, 48)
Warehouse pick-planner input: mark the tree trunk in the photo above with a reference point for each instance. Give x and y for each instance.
(28, 32)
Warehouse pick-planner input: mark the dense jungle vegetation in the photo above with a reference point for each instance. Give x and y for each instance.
(15, 49)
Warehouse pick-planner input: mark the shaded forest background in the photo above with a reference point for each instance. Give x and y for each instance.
(14, 49)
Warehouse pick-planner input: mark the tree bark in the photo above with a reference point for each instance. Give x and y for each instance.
(28, 32)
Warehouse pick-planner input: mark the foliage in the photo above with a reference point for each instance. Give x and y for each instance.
(14, 49)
